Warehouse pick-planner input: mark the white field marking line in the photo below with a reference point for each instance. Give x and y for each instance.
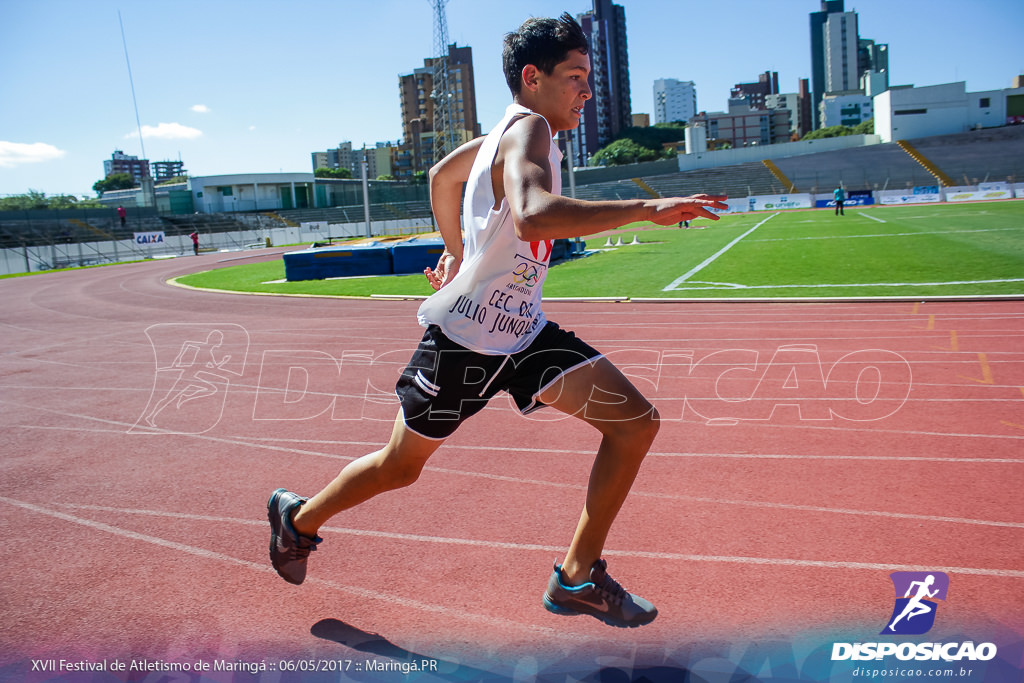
(506, 545)
(882, 234)
(266, 569)
(735, 286)
(709, 260)
(871, 217)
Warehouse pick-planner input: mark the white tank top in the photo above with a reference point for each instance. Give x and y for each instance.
(493, 304)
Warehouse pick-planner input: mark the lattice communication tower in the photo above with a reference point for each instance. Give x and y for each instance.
(442, 94)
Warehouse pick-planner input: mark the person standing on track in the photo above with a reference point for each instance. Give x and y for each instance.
(486, 332)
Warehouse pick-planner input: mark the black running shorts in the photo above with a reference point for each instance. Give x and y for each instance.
(445, 383)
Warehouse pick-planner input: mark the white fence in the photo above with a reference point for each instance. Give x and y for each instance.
(983, 192)
(49, 257)
(53, 256)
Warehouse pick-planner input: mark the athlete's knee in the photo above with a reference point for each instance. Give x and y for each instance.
(402, 471)
(640, 427)
(400, 465)
(649, 425)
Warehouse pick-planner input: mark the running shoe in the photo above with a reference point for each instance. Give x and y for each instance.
(289, 550)
(601, 597)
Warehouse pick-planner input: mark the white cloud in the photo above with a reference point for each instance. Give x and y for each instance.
(16, 153)
(167, 131)
(200, 108)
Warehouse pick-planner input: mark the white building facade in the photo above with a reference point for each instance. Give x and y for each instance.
(789, 102)
(841, 40)
(907, 113)
(674, 100)
(252, 192)
(845, 109)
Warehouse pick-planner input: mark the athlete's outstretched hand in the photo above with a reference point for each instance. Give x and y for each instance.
(447, 268)
(671, 210)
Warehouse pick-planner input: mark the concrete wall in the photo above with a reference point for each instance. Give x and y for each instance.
(742, 155)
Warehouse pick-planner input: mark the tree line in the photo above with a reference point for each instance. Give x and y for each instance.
(635, 145)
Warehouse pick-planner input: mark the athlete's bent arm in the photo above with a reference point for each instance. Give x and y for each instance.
(539, 214)
(446, 180)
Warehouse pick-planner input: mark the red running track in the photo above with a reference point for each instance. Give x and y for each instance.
(807, 451)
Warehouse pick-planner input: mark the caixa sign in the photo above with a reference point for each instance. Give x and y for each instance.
(155, 237)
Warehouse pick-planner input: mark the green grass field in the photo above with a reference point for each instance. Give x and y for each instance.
(936, 250)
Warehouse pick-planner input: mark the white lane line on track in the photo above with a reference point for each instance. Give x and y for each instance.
(455, 614)
(256, 444)
(498, 545)
(705, 500)
(579, 487)
(260, 442)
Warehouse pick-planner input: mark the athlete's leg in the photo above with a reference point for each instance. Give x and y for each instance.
(396, 465)
(602, 396)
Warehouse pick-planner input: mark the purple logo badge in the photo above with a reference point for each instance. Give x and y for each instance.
(916, 592)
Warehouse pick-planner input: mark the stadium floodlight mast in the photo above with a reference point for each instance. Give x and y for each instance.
(131, 82)
(442, 95)
(364, 166)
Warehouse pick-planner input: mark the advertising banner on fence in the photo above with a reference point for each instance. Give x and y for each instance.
(740, 205)
(854, 198)
(155, 237)
(909, 198)
(994, 187)
(774, 202)
(978, 196)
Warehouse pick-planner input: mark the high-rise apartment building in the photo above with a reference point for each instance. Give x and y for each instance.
(742, 126)
(339, 157)
(841, 41)
(820, 63)
(609, 111)
(799, 106)
(119, 162)
(378, 159)
(418, 97)
(841, 61)
(873, 64)
(755, 93)
(674, 100)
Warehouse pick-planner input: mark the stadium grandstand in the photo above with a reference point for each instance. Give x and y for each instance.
(45, 239)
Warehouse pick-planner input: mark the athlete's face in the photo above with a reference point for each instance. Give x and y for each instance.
(561, 94)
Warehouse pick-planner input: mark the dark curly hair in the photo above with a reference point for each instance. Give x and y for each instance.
(543, 43)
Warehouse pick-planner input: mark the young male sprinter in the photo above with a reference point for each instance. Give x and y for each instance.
(486, 315)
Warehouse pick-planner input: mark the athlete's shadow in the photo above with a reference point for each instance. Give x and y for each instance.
(372, 643)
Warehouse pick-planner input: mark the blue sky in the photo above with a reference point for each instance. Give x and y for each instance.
(237, 86)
